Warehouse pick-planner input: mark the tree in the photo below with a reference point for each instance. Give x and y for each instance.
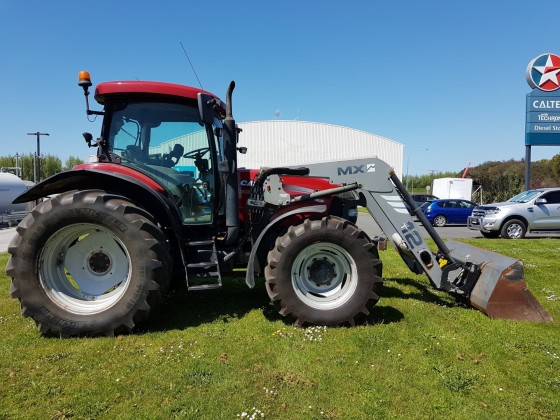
(71, 162)
(50, 165)
(501, 180)
(555, 167)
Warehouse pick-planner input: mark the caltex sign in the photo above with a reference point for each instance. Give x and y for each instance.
(543, 72)
(542, 120)
(542, 123)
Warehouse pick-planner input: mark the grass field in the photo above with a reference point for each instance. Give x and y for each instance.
(227, 355)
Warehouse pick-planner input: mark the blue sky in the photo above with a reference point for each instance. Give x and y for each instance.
(446, 76)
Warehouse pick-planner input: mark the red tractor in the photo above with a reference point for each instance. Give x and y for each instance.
(165, 200)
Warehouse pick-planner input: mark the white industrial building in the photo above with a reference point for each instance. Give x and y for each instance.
(290, 143)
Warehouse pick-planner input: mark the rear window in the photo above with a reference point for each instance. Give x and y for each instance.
(423, 197)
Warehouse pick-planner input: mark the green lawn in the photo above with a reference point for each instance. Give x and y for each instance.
(227, 355)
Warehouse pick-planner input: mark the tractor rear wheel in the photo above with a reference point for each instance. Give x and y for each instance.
(88, 263)
(324, 272)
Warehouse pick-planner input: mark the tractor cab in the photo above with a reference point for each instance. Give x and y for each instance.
(157, 129)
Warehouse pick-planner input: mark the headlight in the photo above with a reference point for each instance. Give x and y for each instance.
(493, 210)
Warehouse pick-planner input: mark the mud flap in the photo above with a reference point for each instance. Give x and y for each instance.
(501, 291)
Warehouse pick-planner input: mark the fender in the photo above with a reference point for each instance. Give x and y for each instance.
(151, 196)
(250, 275)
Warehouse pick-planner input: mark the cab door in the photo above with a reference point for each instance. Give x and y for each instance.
(168, 142)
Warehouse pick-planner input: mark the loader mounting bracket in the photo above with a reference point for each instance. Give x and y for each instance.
(466, 280)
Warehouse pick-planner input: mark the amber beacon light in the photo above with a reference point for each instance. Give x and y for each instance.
(84, 79)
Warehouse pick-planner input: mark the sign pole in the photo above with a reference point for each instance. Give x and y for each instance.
(527, 167)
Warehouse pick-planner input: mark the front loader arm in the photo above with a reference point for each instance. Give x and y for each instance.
(493, 283)
(384, 194)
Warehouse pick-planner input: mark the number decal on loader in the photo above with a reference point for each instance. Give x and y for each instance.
(411, 235)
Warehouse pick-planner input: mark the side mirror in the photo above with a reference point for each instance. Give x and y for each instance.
(88, 138)
(540, 201)
(206, 107)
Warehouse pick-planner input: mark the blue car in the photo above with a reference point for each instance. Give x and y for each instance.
(448, 211)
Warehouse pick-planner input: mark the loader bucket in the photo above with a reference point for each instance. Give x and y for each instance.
(501, 291)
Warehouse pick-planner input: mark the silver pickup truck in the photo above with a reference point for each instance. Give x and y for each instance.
(531, 211)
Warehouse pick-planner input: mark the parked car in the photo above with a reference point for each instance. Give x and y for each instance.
(420, 199)
(442, 212)
(423, 198)
(531, 211)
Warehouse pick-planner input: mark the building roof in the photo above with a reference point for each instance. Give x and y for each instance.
(294, 142)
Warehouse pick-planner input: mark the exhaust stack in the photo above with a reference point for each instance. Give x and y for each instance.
(229, 169)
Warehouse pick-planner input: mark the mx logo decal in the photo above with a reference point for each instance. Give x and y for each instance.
(360, 169)
(543, 72)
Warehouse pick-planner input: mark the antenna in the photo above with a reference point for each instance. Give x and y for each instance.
(192, 67)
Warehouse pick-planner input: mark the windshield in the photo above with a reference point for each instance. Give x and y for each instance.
(525, 196)
(169, 142)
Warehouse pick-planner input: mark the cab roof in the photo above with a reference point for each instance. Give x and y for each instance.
(135, 87)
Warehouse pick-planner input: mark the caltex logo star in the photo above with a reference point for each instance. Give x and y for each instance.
(543, 72)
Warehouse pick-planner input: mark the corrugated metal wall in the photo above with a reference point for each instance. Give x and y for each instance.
(281, 143)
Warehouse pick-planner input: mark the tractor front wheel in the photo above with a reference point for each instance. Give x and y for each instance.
(88, 263)
(324, 272)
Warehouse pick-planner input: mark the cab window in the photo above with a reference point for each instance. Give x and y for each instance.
(168, 142)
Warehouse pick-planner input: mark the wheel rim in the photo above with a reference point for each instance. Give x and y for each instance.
(514, 230)
(324, 276)
(84, 268)
(439, 221)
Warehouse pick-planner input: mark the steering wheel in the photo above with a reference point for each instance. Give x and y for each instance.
(197, 153)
